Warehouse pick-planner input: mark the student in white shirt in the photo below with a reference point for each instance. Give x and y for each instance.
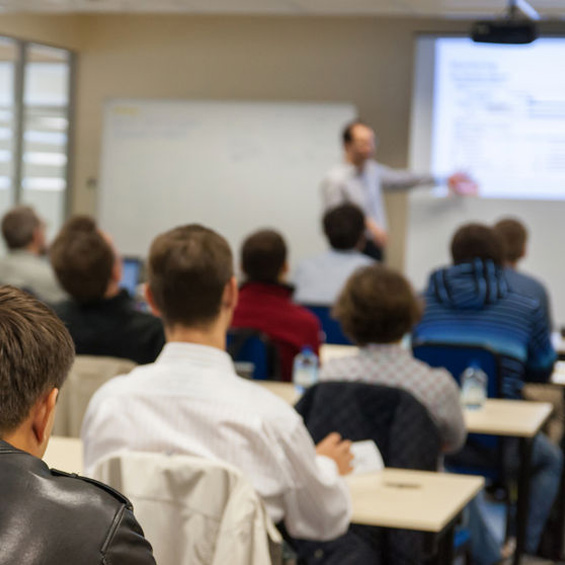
(191, 401)
(319, 279)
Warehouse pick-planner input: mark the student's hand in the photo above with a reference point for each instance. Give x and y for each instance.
(339, 450)
(462, 184)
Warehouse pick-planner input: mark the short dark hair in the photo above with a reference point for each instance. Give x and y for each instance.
(82, 260)
(18, 227)
(344, 226)
(37, 354)
(263, 255)
(188, 269)
(513, 235)
(476, 241)
(347, 133)
(376, 305)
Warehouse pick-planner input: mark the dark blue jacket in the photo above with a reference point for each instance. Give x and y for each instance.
(472, 303)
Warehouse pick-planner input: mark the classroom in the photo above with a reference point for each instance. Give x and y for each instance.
(412, 415)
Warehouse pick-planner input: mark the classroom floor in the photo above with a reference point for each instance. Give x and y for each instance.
(495, 515)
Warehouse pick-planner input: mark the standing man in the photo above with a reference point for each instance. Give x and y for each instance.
(360, 179)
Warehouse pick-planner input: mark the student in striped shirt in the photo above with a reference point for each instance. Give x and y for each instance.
(471, 302)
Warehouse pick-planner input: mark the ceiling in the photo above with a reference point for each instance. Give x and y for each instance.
(412, 8)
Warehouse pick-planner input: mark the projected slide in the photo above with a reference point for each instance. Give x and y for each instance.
(499, 114)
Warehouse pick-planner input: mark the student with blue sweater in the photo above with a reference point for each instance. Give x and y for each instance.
(471, 302)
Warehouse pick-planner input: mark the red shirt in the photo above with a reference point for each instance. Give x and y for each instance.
(269, 309)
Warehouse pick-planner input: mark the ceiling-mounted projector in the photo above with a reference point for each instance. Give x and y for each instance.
(504, 31)
(512, 30)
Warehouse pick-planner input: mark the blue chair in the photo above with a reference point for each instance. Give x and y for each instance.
(331, 327)
(456, 358)
(251, 346)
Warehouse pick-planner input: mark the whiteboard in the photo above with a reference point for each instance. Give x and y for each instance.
(232, 166)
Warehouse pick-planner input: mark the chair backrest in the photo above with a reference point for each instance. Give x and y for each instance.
(330, 326)
(400, 426)
(87, 375)
(194, 510)
(458, 357)
(252, 346)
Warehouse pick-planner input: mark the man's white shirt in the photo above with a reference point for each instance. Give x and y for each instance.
(344, 183)
(191, 401)
(318, 280)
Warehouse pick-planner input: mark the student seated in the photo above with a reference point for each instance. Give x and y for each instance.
(49, 517)
(25, 265)
(191, 401)
(319, 279)
(100, 316)
(471, 302)
(376, 308)
(265, 300)
(514, 237)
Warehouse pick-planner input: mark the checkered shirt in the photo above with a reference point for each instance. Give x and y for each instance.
(391, 365)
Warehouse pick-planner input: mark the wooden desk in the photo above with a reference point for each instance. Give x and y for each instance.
(411, 500)
(64, 454)
(513, 418)
(523, 420)
(286, 391)
(414, 500)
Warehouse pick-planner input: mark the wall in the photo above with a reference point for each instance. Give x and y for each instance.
(60, 31)
(367, 61)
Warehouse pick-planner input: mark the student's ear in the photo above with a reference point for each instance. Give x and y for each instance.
(39, 240)
(284, 271)
(151, 300)
(231, 293)
(42, 417)
(117, 269)
(524, 252)
(361, 243)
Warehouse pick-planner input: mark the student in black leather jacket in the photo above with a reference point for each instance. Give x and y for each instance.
(48, 517)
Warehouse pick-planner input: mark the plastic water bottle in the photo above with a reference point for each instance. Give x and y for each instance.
(473, 387)
(305, 369)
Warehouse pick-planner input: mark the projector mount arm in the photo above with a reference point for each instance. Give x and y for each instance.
(516, 7)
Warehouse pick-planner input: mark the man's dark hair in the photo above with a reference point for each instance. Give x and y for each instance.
(347, 133)
(18, 227)
(82, 260)
(188, 270)
(344, 226)
(476, 241)
(376, 305)
(513, 235)
(263, 255)
(37, 353)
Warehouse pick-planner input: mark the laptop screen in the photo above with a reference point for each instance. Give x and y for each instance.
(131, 276)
